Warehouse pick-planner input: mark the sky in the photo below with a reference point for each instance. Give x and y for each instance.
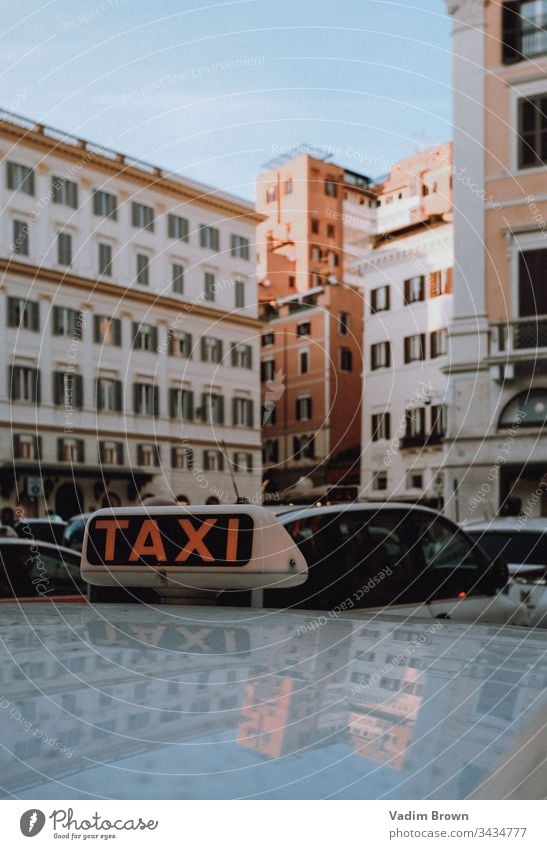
(214, 90)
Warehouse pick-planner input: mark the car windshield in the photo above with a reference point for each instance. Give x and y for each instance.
(513, 547)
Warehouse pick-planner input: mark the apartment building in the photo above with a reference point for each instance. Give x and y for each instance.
(496, 443)
(406, 269)
(311, 356)
(130, 331)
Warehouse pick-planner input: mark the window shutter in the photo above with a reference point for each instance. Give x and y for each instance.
(34, 307)
(250, 414)
(422, 287)
(139, 455)
(79, 390)
(119, 453)
(37, 385)
(203, 415)
(407, 291)
(98, 399)
(422, 346)
(59, 449)
(203, 348)
(234, 411)
(80, 451)
(135, 331)
(11, 385)
(448, 281)
(234, 355)
(220, 461)
(16, 444)
(387, 297)
(173, 403)
(220, 348)
(97, 328)
(117, 332)
(373, 357)
(157, 453)
(249, 356)
(136, 387)
(170, 343)
(511, 23)
(156, 392)
(118, 399)
(56, 321)
(154, 338)
(38, 445)
(189, 404)
(407, 349)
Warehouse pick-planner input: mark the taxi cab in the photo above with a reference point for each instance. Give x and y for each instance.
(189, 700)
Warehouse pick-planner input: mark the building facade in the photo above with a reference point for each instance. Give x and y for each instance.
(496, 445)
(130, 329)
(406, 268)
(312, 339)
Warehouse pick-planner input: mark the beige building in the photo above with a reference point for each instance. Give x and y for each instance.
(496, 454)
(130, 333)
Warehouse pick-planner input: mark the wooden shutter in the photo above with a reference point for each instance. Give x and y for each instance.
(139, 455)
(38, 386)
(34, 307)
(136, 387)
(60, 448)
(250, 414)
(407, 349)
(16, 445)
(156, 393)
(154, 338)
(78, 391)
(119, 453)
(80, 450)
(173, 403)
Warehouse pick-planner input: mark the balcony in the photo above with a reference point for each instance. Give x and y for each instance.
(420, 440)
(519, 339)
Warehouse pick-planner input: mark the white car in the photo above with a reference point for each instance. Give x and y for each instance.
(521, 543)
(193, 701)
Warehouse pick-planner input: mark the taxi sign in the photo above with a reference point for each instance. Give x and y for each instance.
(211, 547)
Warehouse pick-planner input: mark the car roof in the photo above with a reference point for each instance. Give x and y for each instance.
(213, 703)
(512, 524)
(39, 542)
(353, 507)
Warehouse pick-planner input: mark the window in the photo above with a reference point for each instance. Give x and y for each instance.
(303, 361)
(243, 462)
(527, 409)
(212, 408)
(269, 414)
(532, 297)
(239, 247)
(303, 447)
(24, 383)
(437, 343)
(145, 337)
(64, 248)
(105, 259)
(331, 189)
(213, 461)
(270, 451)
(271, 194)
(380, 355)
(211, 349)
(332, 259)
(209, 237)
(20, 178)
(532, 131)
(379, 299)
(343, 326)
(414, 289)
(438, 420)
(64, 192)
(331, 231)
(68, 390)
(182, 457)
(242, 356)
(524, 30)
(20, 244)
(267, 370)
(239, 293)
(415, 423)
(303, 329)
(379, 481)
(414, 479)
(143, 269)
(67, 322)
(111, 453)
(177, 278)
(70, 450)
(109, 395)
(142, 216)
(288, 186)
(180, 344)
(181, 404)
(314, 226)
(26, 446)
(107, 330)
(148, 454)
(209, 286)
(105, 205)
(440, 282)
(414, 348)
(315, 253)
(23, 314)
(242, 412)
(145, 399)
(303, 408)
(381, 426)
(178, 228)
(268, 339)
(346, 360)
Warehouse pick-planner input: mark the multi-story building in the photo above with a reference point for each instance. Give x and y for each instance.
(130, 333)
(496, 444)
(311, 342)
(406, 267)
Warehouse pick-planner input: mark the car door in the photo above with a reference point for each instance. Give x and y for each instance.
(456, 579)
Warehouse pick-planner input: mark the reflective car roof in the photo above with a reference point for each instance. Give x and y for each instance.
(200, 702)
(511, 524)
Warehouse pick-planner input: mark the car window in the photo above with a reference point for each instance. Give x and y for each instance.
(36, 571)
(519, 547)
(452, 565)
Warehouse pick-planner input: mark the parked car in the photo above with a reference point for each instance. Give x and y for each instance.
(407, 558)
(74, 532)
(39, 571)
(189, 701)
(521, 543)
(45, 529)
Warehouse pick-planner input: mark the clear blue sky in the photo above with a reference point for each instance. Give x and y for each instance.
(215, 89)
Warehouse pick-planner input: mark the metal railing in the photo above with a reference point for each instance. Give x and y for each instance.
(518, 335)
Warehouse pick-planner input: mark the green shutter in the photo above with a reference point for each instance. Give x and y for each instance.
(155, 338)
(80, 451)
(156, 400)
(118, 396)
(38, 387)
(59, 449)
(173, 403)
(250, 414)
(135, 397)
(119, 453)
(78, 391)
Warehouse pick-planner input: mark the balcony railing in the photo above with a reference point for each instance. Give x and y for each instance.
(420, 440)
(519, 337)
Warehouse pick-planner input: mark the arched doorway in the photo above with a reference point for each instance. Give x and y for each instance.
(69, 500)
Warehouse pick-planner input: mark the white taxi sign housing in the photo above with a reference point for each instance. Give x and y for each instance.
(211, 547)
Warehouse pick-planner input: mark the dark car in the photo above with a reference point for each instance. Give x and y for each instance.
(74, 532)
(39, 571)
(46, 530)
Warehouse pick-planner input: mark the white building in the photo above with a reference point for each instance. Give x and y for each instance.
(406, 268)
(130, 333)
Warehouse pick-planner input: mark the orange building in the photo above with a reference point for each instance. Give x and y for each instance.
(312, 339)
